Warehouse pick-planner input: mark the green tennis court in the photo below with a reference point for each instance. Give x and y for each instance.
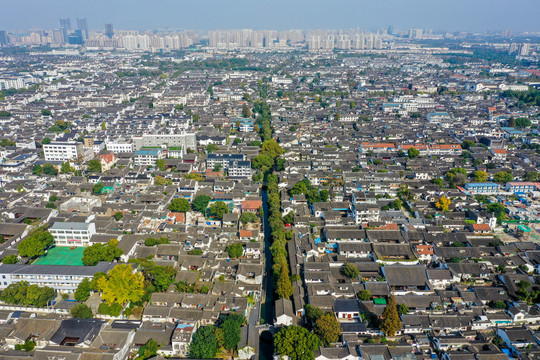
(62, 255)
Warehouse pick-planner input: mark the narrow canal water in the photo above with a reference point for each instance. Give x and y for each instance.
(266, 346)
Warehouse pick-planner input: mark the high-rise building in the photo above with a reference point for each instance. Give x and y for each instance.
(525, 49)
(76, 38)
(512, 48)
(65, 25)
(82, 24)
(390, 30)
(109, 32)
(3, 38)
(58, 36)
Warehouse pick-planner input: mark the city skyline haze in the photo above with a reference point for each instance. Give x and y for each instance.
(458, 15)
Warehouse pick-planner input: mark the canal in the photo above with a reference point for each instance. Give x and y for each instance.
(266, 346)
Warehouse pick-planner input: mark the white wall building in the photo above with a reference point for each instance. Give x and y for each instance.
(64, 151)
(72, 233)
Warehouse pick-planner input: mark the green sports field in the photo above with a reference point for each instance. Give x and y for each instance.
(62, 255)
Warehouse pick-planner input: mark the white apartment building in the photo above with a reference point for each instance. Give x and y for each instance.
(64, 151)
(72, 233)
(184, 140)
(147, 157)
(120, 146)
(61, 278)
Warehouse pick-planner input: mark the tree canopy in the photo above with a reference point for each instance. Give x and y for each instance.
(81, 311)
(35, 244)
(296, 342)
(443, 203)
(122, 285)
(179, 205)
(328, 329)
(218, 209)
(22, 293)
(92, 255)
(235, 250)
(248, 217)
(204, 344)
(200, 203)
(148, 350)
(391, 322)
(350, 270)
(94, 166)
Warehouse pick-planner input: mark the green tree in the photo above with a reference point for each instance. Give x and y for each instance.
(121, 285)
(28, 345)
(194, 176)
(148, 350)
(391, 322)
(467, 144)
(262, 162)
(498, 210)
(480, 176)
(328, 329)
(413, 153)
(46, 141)
(498, 304)
(204, 344)
(97, 188)
(21, 293)
(161, 164)
(235, 250)
(312, 313)
(94, 166)
(246, 112)
(350, 270)
(217, 167)
(153, 241)
(283, 286)
(10, 259)
(403, 309)
(438, 181)
(272, 147)
(118, 215)
(364, 295)
(296, 342)
(231, 326)
(248, 217)
(82, 293)
(46, 112)
(218, 209)
(179, 205)
(255, 143)
(289, 218)
(66, 168)
(92, 255)
(456, 176)
(81, 311)
(160, 180)
(210, 148)
(200, 203)
(533, 176)
(503, 177)
(35, 244)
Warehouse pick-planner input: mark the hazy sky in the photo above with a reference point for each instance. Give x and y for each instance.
(466, 15)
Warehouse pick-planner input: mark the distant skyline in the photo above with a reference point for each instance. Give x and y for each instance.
(449, 15)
